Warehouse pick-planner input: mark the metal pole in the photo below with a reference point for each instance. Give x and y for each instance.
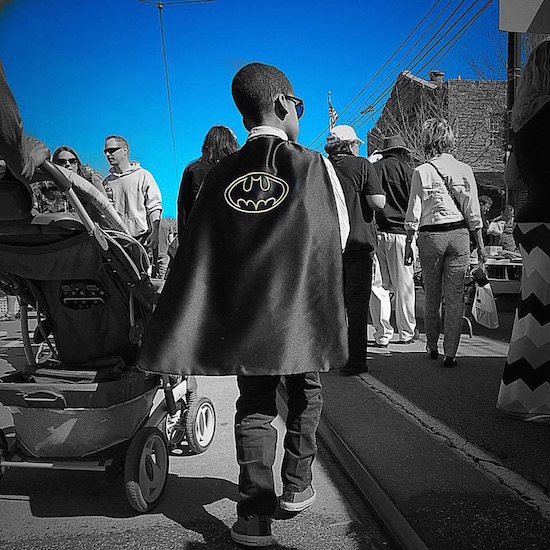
(513, 74)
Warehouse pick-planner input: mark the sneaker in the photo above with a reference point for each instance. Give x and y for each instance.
(380, 344)
(293, 501)
(432, 353)
(450, 362)
(252, 531)
(354, 368)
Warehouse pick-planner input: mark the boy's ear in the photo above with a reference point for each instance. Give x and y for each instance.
(280, 106)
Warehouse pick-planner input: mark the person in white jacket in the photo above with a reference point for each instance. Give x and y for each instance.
(133, 192)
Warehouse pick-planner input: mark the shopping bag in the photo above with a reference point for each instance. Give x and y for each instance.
(484, 308)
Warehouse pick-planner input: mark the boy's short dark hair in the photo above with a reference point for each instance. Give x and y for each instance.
(254, 88)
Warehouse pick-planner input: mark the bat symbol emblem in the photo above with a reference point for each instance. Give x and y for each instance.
(256, 193)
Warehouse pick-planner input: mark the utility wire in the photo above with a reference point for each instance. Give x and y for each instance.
(447, 46)
(423, 51)
(422, 55)
(454, 40)
(168, 89)
(160, 6)
(381, 68)
(444, 49)
(482, 25)
(355, 118)
(391, 75)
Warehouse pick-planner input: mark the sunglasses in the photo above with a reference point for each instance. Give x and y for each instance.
(298, 104)
(63, 162)
(111, 150)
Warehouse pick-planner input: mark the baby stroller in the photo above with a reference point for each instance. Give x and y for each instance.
(87, 407)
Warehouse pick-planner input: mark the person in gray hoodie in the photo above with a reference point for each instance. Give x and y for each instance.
(133, 192)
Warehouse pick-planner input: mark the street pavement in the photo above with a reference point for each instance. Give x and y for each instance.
(463, 474)
(47, 510)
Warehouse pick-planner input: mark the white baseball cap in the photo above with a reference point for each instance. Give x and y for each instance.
(342, 133)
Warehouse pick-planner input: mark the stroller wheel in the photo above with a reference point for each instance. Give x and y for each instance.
(146, 469)
(200, 425)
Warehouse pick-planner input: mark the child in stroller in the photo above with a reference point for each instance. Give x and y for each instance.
(89, 407)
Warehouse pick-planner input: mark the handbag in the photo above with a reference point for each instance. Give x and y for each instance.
(484, 308)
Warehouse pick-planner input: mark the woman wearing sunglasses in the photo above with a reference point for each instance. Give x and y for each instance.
(48, 198)
(66, 156)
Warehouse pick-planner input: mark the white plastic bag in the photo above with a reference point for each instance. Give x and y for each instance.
(484, 308)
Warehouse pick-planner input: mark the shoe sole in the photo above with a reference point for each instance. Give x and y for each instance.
(297, 506)
(251, 540)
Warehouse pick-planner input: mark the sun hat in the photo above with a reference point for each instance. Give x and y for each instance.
(393, 142)
(342, 133)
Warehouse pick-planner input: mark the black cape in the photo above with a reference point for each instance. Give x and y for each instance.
(256, 285)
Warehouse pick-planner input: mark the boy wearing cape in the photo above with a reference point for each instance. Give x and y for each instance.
(256, 291)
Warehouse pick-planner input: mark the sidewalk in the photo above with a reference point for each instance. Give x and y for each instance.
(464, 475)
(60, 510)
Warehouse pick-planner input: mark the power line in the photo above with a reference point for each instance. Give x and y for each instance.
(160, 5)
(411, 50)
(423, 52)
(446, 46)
(419, 58)
(168, 87)
(442, 51)
(393, 55)
(381, 68)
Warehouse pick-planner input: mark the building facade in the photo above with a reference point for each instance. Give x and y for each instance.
(476, 110)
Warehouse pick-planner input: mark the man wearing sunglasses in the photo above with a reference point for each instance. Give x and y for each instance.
(255, 290)
(134, 193)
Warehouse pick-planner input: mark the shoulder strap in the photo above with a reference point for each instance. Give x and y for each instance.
(449, 190)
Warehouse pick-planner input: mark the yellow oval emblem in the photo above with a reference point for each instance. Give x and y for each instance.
(256, 193)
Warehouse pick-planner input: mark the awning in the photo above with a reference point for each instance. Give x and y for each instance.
(493, 180)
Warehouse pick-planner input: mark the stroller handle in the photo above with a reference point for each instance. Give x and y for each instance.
(75, 187)
(57, 175)
(66, 187)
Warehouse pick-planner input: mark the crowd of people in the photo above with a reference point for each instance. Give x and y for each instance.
(281, 252)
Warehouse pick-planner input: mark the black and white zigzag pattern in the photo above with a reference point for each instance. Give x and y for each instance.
(526, 379)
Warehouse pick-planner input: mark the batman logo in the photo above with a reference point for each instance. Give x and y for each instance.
(256, 193)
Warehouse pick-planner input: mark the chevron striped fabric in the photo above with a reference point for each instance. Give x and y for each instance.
(525, 386)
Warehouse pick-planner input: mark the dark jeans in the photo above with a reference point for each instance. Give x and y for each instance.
(357, 288)
(256, 438)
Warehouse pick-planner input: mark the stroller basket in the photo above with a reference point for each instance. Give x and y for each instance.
(77, 420)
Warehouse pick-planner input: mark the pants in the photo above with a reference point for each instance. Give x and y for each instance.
(256, 438)
(399, 277)
(357, 288)
(160, 269)
(444, 257)
(380, 306)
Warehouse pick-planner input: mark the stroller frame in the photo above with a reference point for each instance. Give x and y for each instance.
(176, 414)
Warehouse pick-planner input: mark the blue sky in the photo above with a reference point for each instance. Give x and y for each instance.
(81, 70)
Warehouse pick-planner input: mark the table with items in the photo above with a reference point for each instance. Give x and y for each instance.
(503, 270)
